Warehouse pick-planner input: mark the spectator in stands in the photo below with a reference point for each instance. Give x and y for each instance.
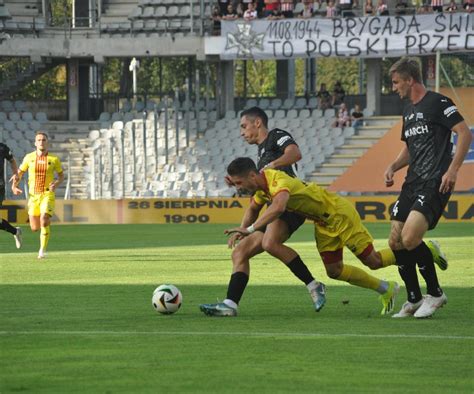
(368, 8)
(452, 7)
(245, 5)
(324, 97)
(6, 154)
(286, 7)
(331, 10)
(316, 6)
(382, 8)
(276, 14)
(468, 5)
(250, 13)
(307, 11)
(223, 6)
(357, 117)
(216, 18)
(270, 7)
(401, 7)
(345, 8)
(230, 13)
(240, 9)
(343, 119)
(437, 5)
(424, 9)
(338, 94)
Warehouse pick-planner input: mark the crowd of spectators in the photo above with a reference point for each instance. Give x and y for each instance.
(278, 9)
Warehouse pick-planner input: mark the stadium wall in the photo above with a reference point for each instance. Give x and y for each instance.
(189, 211)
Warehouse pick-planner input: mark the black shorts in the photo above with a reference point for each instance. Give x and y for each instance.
(292, 220)
(424, 198)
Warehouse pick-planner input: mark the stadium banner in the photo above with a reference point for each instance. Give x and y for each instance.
(368, 37)
(207, 210)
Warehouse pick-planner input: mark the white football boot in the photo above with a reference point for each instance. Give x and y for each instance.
(430, 305)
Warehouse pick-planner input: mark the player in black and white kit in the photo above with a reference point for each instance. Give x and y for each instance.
(428, 122)
(6, 154)
(276, 149)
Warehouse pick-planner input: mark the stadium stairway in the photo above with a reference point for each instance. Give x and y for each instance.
(69, 140)
(354, 147)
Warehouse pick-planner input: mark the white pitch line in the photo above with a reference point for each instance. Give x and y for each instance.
(237, 334)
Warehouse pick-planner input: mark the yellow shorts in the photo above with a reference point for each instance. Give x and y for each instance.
(345, 229)
(41, 204)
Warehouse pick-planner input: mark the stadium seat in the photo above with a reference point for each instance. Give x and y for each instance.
(292, 114)
(300, 103)
(313, 103)
(41, 117)
(27, 116)
(20, 106)
(3, 117)
(329, 113)
(288, 104)
(104, 117)
(264, 103)
(251, 103)
(173, 11)
(14, 116)
(275, 104)
(7, 106)
(304, 113)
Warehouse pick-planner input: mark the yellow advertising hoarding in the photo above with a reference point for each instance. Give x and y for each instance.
(207, 210)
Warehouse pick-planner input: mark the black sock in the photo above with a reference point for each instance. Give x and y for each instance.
(300, 270)
(407, 270)
(7, 227)
(238, 282)
(424, 259)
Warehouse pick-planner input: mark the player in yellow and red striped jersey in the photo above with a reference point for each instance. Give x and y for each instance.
(42, 167)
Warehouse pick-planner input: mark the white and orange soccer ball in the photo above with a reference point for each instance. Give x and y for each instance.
(167, 299)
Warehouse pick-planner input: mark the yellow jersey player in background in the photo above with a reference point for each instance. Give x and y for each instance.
(336, 224)
(41, 167)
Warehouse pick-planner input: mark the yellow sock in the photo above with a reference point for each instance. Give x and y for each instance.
(388, 258)
(44, 237)
(356, 276)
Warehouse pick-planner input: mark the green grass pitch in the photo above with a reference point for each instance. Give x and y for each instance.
(82, 320)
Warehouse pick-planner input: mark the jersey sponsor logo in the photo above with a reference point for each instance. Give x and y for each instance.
(417, 130)
(419, 116)
(450, 110)
(282, 140)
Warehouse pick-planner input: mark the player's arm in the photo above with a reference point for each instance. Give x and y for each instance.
(14, 168)
(251, 213)
(290, 156)
(462, 148)
(55, 183)
(15, 180)
(273, 212)
(402, 160)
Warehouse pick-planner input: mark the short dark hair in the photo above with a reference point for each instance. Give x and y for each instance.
(241, 166)
(255, 112)
(40, 132)
(407, 67)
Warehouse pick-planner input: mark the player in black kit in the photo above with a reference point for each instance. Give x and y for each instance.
(6, 154)
(276, 149)
(428, 122)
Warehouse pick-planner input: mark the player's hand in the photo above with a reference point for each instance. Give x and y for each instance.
(228, 181)
(242, 231)
(14, 179)
(16, 190)
(388, 177)
(447, 182)
(52, 186)
(233, 240)
(270, 165)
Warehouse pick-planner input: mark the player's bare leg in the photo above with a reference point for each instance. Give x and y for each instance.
(45, 233)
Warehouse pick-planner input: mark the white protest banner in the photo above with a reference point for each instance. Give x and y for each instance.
(368, 37)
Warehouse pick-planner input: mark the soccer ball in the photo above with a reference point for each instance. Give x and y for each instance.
(166, 299)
